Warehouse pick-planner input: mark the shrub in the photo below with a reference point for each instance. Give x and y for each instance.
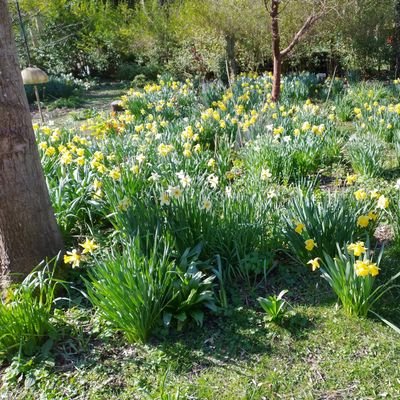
(129, 71)
(59, 87)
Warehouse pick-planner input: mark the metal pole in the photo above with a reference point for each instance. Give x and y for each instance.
(38, 102)
(23, 33)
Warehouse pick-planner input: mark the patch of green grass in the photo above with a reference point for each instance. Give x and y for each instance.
(319, 353)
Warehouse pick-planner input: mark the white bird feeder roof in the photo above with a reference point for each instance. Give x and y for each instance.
(34, 76)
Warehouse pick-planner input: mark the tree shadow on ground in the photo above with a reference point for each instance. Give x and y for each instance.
(239, 334)
(305, 288)
(236, 334)
(388, 305)
(391, 173)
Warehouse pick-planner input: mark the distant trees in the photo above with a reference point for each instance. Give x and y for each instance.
(213, 37)
(236, 22)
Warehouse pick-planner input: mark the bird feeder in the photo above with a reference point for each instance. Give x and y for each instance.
(35, 76)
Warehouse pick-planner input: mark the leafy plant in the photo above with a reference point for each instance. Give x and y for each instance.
(274, 306)
(312, 221)
(351, 275)
(131, 290)
(135, 289)
(193, 291)
(26, 313)
(366, 155)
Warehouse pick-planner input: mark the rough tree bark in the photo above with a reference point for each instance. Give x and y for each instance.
(278, 54)
(276, 50)
(28, 229)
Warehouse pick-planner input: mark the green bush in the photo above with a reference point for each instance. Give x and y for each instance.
(59, 87)
(129, 71)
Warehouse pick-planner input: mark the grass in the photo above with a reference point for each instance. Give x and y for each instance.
(318, 353)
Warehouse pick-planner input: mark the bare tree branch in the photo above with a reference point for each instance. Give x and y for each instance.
(310, 21)
(267, 7)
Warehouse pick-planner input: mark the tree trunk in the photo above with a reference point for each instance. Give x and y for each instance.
(276, 51)
(279, 54)
(277, 73)
(231, 57)
(28, 229)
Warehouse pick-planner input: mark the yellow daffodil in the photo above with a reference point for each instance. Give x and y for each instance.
(374, 194)
(314, 264)
(89, 246)
(306, 127)
(135, 169)
(299, 228)
(351, 179)
(50, 151)
(66, 158)
(187, 153)
(357, 248)
(165, 149)
(211, 163)
(363, 221)
(278, 131)
(365, 268)
(360, 194)
(115, 174)
(373, 269)
(80, 161)
(310, 244)
(73, 257)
